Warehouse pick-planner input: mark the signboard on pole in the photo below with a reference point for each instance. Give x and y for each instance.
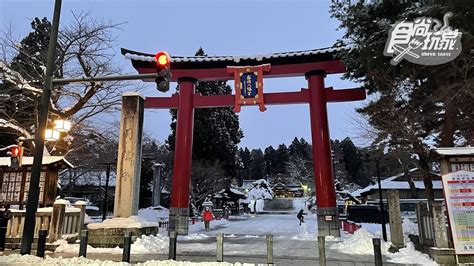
(459, 192)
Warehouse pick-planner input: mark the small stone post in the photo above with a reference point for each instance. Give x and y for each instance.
(156, 184)
(322, 250)
(396, 230)
(269, 249)
(82, 206)
(57, 220)
(439, 223)
(220, 247)
(127, 187)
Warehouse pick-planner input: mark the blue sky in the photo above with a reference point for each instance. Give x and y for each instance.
(221, 28)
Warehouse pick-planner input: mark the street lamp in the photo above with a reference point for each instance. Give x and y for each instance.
(51, 135)
(62, 125)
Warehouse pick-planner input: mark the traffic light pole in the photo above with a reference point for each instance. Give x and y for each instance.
(33, 193)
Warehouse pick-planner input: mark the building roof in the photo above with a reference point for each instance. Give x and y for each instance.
(47, 160)
(232, 60)
(454, 151)
(212, 67)
(393, 182)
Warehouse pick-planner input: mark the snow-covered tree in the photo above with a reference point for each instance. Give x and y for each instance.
(261, 190)
(84, 49)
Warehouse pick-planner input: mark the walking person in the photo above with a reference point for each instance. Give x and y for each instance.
(207, 217)
(300, 216)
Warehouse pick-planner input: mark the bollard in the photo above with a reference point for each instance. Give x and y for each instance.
(83, 243)
(322, 250)
(377, 251)
(172, 246)
(127, 244)
(41, 243)
(220, 247)
(269, 249)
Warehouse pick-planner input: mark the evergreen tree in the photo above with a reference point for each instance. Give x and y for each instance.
(270, 156)
(352, 160)
(282, 157)
(216, 130)
(413, 105)
(246, 158)
(257, 164)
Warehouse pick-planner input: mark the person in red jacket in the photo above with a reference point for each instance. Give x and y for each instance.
(207, 217)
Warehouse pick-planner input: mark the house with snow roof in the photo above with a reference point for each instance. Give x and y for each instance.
(410, 186)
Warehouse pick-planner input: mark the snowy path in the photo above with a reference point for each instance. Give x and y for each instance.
(244, 241)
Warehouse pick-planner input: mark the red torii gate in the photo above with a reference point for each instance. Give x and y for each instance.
(313, 64)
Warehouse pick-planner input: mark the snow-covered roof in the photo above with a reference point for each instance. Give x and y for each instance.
(393, 183)
(47, 160)
(137, 56)
(454, 151)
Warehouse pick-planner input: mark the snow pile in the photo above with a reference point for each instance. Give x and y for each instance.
(359, 243)
(130, 222)
(150, 244)
(64, 247)
(154, 213)
(409, 227)
(143, 245)
(15, 259)
(409, 255)
(195, 236)
(63, 201)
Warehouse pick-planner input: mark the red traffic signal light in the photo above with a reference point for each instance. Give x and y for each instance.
(163, 60)
(162, 67)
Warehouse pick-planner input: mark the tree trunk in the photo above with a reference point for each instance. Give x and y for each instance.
(447, 133)
(255, 207)
(425, 172)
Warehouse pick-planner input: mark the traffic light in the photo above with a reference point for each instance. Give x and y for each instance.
(16, 153)
(162, 67)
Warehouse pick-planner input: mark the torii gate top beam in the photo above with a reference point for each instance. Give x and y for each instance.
(205, 68)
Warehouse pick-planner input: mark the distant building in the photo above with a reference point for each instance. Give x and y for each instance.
(453, 159)
(15, 183)
(410, 186)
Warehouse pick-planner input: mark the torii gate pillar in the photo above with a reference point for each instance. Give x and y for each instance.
(181, 182)
(328, 222)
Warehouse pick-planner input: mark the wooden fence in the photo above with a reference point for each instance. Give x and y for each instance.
(425, 225)
(59, 220)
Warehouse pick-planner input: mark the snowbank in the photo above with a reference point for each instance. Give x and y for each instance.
(16, 259)
(154, 213)
(143, 245)
(409, 227)
(130, 222)
(359, 243)
(409, 255)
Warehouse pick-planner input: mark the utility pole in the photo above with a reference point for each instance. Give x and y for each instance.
(105, 199)
(382, 209)
(33, 193)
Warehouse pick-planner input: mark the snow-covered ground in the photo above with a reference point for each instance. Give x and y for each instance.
(245, 236)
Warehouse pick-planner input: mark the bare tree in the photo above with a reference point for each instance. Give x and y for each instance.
(85, 48)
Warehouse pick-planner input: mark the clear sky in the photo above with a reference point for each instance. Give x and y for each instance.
(222, 28)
